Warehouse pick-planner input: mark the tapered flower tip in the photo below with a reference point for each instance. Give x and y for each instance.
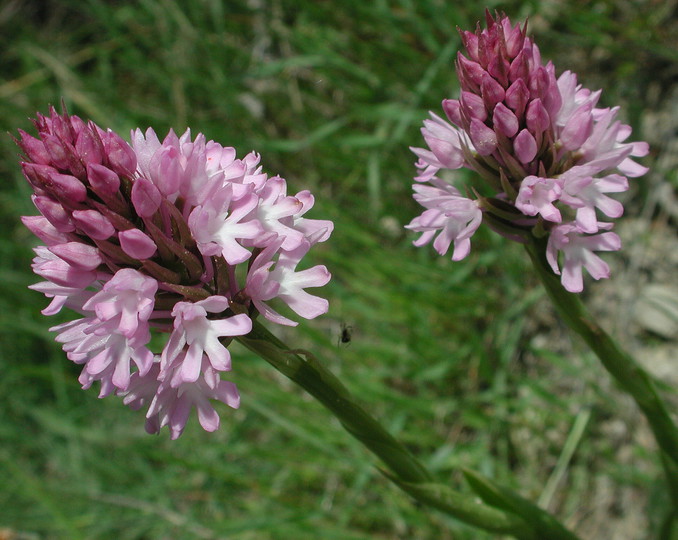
(33, 148)
(44, 230)
(484, 138)
(119, 155)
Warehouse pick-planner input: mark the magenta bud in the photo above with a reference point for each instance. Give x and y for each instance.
(34, 149)
(78, 124)
(498, 69)
(452, 109)
(504, 121)
(57, 151)
(145, 197)
(169, 181)
(88, 146)
(93, 224)
(470, 73)
(514, 38)
(552, 99)
(78, 255)
(61, 273)
(536, 55)
(43, 229)
(102, 179)
(37, 174)
(538, 82)
(121, 157)
(525, 146)
(483, 138)
(536, 117)
(473, 106)
(578, 128)
(67, 187)
(519, 68)
(55, 213)
(470, 41)
(136, 244)
(58, 125)
(517, 96)
(492, 92)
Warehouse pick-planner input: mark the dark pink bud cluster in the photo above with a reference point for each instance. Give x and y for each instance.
(177, 237)
(538, 141)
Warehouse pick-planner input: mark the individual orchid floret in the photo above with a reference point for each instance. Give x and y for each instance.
(544, 150)
(71, 297)
(271, 278)
(447, 147)
(50, 266)
(199, 335)
(314, 230)
(108, 357)
(577, 250)
(536, 196)
(276, 211)
(160, 237)
(585, 193)
(221, 224)
(174, 398)
(449, 215)
(125, 304)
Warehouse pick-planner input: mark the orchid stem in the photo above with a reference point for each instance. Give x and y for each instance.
(630, 376)
(404, 469)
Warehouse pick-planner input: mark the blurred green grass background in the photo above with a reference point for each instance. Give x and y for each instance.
(331, 94)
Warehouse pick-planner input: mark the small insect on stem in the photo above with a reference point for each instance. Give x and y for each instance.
(345, 335)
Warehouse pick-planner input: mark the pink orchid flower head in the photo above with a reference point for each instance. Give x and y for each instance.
(158, 237)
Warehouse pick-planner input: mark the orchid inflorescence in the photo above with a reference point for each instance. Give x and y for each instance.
(177, 237)
(546, 151)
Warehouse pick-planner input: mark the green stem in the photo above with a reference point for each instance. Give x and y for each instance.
(406, 471)
(629, 375)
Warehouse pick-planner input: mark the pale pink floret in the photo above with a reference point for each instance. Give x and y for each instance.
(585, 193)
(55, 269)
(54, 212)
(174, 398)
(275, 212)
(269, 278)
(192, 329)
(221, 224)
(107, 357)
(536, 196)
(177, 166)
(448, 213)
(78, 255)
(44, 230)
(314, 230)
(125, 304)
(446, 144)
(577, 249)
(93, 224)
(606, 149)
(70, 297)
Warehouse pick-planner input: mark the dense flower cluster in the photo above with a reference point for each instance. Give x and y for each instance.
(547, 152)
(178, 237)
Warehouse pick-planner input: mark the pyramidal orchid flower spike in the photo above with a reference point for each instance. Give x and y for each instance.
(177, 237)
(548, 158)
(547, 153)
